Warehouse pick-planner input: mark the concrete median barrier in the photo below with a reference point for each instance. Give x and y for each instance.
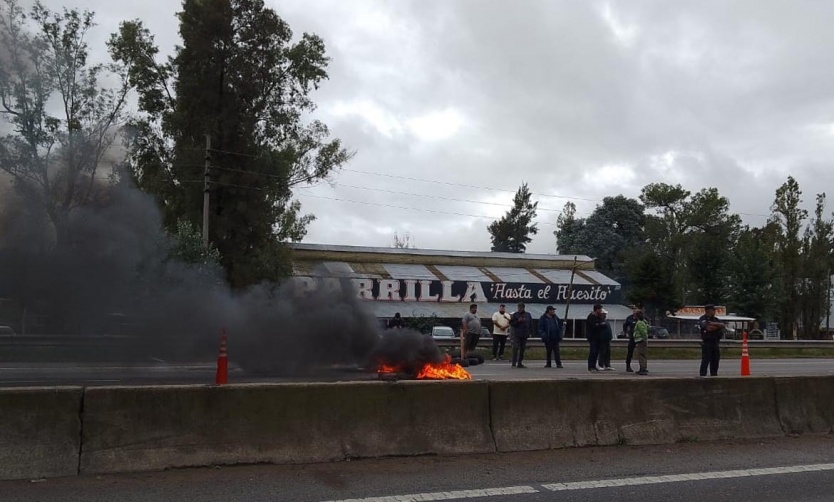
(40, 432)
(49, 432)
(806, 404)
(538, 415)
(152, 428)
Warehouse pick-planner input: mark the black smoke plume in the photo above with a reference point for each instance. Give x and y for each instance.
(115, 276)
(407, 350)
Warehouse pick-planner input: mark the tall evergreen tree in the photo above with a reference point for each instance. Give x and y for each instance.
(788, 216)
(242, 79)
(816, 251)
(569, 230)
(511, 233)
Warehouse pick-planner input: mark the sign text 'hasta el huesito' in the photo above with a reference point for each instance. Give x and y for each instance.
(416, 290)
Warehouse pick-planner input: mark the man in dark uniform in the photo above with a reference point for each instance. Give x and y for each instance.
(628, 328)
(594, 331)
(521, 325)
(711, 331)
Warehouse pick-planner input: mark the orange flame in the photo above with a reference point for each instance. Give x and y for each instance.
(444, 371)
(440, 371)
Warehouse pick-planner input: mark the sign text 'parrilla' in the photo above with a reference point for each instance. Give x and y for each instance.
(416, 290)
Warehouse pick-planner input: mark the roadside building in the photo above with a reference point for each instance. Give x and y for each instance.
(686, 322)
(426, 283)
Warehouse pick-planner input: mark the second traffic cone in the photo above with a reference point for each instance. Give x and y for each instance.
(222, 362)
(745, 356)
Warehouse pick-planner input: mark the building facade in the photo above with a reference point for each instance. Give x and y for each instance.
(426, 283)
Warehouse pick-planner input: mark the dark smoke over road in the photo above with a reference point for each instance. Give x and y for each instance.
(118, 261)
(407, 350)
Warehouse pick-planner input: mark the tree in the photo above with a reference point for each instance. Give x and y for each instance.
(63, 121)
(241, 79)
(710, 237)
(511, 233)
(666, 228)
(693, 235)
(614, 227)
(652, 285)
(813, 287)
(403, 242)
(569, 228)
(788, 217)
(751, 287)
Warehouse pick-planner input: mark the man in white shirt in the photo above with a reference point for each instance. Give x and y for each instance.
(500, 330)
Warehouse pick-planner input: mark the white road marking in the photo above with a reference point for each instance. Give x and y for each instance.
(587, 485)
(676, 478)
(455, 495)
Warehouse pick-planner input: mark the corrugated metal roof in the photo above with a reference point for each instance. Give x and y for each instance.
(599, 277)
(460, 273)
(507, 274)
(434, 252)
(398, 271)
(451, 272)
(728, 318)
(558, 276)
(339, 268)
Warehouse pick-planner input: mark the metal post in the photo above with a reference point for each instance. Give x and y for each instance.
(206, 182)
(567, 301)
(828, 307)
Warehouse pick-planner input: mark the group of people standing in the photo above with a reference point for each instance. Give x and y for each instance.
(518, 327)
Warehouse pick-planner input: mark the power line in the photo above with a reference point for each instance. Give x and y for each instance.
(237, 153)
(464, 185)
(448, 183)
(480, 216)
(434, 197)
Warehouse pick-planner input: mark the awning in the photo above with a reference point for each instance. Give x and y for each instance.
(485, 310)
(728, 318)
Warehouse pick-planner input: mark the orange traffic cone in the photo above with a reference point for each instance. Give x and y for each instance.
(745, 356)
(222, 362)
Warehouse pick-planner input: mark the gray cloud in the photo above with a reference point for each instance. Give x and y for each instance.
(584, 99)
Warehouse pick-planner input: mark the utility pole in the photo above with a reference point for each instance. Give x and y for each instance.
(567, 301)
(206, 182)
(828, 306)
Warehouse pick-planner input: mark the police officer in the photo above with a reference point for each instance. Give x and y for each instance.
(628, 328)
(711, 331)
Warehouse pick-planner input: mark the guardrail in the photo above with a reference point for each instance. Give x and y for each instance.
(688, 343)
(112, 341)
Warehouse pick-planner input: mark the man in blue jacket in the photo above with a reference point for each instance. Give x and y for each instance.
(550, 331)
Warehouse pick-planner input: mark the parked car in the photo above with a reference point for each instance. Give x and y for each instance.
(658, 332)
(444, 332)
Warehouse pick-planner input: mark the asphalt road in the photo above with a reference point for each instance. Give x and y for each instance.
(39, 374)
(779, 470)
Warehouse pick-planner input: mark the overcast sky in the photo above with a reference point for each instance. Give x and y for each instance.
(452, 104)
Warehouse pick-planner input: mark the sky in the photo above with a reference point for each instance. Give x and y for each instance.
(450, 105)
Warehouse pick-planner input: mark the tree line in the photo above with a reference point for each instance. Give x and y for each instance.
(671, 247)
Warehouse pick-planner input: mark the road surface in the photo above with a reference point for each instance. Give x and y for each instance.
(779, 470)
(35, 374)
